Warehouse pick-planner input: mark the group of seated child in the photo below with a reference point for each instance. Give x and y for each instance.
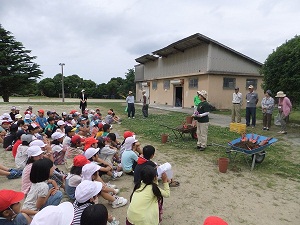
(91, 155)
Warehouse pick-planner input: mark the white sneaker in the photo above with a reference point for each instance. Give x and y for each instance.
(119, 174)
(119, 202)
(111, 185)
(116, 191)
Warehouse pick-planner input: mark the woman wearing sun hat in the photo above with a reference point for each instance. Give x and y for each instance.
(284, 108)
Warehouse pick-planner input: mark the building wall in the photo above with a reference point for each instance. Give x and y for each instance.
(223, 60)
(139, 72)
(218, 96)
(191, 61)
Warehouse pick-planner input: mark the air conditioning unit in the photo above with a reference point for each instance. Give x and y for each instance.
(145, 84)
(177, 82)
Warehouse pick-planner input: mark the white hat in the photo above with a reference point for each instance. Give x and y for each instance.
(60, 122)
(203, 93)
(90, 152)
(59, 215)
(39, 143)
(32, 115)
(88, 170)
(198, 92)
(82, 90)
(27, 117)
(86, 190)
(26, 137)
(57, 135)
(250, 86)
(280, 94)
(6, 115)
(129, 141)
(18, 116)
(34, 151)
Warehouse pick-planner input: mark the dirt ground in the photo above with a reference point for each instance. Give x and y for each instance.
(238, 197)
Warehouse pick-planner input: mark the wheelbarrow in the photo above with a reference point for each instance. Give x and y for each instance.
(258, 153)
(181, 130)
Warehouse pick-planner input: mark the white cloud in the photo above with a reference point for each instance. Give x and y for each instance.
(99, 39)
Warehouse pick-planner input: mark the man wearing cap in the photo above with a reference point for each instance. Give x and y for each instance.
(83, 101)
(130, 105)
(201, 115)
(10, 208)
(236, 105)
(252, 100)
(284, 108)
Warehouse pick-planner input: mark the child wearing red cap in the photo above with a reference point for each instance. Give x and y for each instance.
(73, 150)
(10, 207)
(74, 177)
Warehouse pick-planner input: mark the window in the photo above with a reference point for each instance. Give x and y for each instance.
(140, 85)
(251, 82)
(193, 83)
(154, 85)
(167, 85)
(228, 83)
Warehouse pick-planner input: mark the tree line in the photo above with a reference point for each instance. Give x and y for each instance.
(19, 74)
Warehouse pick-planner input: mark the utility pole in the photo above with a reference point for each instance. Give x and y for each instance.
(62, 82)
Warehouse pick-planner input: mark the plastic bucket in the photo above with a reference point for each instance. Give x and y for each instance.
(189, 120)
(223, 164)
(164, 138)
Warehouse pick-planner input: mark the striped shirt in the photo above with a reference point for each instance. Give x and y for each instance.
(78, 210)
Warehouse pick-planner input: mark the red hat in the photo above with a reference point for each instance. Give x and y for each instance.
(100, 125)
(128, 134)
(73, 111)
(214, 220)
(89, 141)
(9, 197)
(76, 138)
(41, 111)
(80, 160)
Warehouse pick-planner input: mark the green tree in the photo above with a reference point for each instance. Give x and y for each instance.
(17, 68)
(281, 70)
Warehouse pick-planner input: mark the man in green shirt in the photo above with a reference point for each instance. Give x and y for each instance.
(201, 115)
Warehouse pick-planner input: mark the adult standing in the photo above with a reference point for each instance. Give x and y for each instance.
(145, 104)
(201, 115)
(252, 100)
(83, 101)
(130, 105)
(237, 100)
(284, 108)
(267, 106)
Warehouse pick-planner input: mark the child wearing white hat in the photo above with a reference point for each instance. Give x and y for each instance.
(55, 215)
(86, 194)
(57, 148)
(91, 172)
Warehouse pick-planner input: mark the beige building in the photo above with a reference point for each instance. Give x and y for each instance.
(172, 75)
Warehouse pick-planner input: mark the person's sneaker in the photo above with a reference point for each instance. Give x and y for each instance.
(201, 149)
(119, 202)
(14, 174)
(198, 147)
(111, 185)
(119, 174)
(116, 191)
(279, 132)
(133, 117)
(284, 132)
(268, 128)
(129, 117)
(264, 128)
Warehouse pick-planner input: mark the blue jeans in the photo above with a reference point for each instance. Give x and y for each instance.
(251, 112)
(53, 199)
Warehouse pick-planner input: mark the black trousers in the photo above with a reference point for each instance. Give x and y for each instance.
(130, 109)
(145, 110)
